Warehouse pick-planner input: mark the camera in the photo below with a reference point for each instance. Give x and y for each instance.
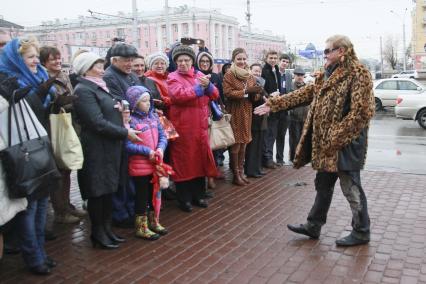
(125, 104)
(190, 40)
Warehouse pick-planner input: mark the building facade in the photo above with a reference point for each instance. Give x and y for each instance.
(419, 35)
(220, 32)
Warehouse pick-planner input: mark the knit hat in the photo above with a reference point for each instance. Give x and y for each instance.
(124, 50)
(154, 57)
(84, 61)
(134, 94)
(183, 50)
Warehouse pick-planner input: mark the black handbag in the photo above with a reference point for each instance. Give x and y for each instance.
(30, 164)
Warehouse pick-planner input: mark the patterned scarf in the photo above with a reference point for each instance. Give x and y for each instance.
(98, 81)
(12, 63)
(240, 73)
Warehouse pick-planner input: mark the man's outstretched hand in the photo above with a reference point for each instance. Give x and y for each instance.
(262, 109)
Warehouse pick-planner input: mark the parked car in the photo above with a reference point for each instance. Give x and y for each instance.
(412, 106)
(412, 74)
(386, 91)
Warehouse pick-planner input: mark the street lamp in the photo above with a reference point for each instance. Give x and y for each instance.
(403, 35)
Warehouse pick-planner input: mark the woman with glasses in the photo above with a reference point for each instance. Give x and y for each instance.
(190, 92)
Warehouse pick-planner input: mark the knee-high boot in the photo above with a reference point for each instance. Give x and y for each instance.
(241, 157)
(235, 168)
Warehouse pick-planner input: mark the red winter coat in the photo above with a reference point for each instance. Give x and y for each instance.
(190, 153)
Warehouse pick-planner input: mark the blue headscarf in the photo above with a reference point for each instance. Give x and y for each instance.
(12, 63)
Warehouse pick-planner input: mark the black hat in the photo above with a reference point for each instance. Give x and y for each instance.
(124, 50)
(183, 49)
(118, 39)
(298, 71)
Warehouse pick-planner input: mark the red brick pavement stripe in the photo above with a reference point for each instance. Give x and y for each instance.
(242, 238)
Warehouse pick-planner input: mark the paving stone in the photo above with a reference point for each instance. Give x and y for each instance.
(242, 238)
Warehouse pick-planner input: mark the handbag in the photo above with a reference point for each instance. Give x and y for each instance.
(168, 127)
(216, 111)
(220, 133)
(30, 164)
(65, 143)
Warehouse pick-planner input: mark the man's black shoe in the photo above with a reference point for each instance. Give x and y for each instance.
(270, 165)
(42, 269)
(201, 203)
(186, 207)
(300, 229)
(49, 235)
(255, 176)
(50, 262)
(350, 240)
(279, 164)
(208, 194)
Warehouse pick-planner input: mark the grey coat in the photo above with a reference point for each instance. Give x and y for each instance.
(102, 134)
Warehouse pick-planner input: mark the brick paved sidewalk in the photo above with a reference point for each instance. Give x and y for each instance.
(242, 238)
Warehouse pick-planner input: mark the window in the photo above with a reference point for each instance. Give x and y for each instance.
(146, 44)
(175, 28)
(198, 27)
(185, 29)
(121, 33)
(407, 86)
(145, 30)
(387, 85)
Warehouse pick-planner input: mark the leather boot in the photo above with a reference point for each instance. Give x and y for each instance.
(142, 230)
(241, 157)
(155, 226)
(235, 170)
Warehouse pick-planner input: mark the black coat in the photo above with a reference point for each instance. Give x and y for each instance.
(272, 82)
(102, 134)
(118, 82)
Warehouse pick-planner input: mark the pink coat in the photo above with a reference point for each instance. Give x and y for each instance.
(190, 153)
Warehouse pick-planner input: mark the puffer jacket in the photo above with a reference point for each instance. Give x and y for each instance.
(152, 135)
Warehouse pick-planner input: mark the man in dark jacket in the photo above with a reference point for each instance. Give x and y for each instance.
(297, 115)
(277, 122)
(119, 77)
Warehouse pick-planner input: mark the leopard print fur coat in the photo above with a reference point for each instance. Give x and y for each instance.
(327, 123)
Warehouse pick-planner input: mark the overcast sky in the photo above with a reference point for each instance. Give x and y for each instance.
(300, 21)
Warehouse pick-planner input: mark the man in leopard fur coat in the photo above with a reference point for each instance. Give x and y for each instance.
(334, 137)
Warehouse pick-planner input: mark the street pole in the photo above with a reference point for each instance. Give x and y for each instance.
(135, 24)
(381, 57)
(403, 42)
(166, 7)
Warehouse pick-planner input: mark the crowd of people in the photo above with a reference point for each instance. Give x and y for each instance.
(120, 106)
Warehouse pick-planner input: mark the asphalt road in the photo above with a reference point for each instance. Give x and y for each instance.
(396, 145)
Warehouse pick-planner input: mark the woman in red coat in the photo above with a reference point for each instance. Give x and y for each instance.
(190, 92)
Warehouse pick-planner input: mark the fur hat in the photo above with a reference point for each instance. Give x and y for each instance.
(183, 50)
(124, 50)
(155, 56)
(84, 61)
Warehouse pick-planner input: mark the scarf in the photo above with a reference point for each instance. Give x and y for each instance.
(12, 63)
(160, 82)
(240, 73)
(329, 70)
(98, 81)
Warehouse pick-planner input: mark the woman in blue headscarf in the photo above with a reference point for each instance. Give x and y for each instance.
(20, 68)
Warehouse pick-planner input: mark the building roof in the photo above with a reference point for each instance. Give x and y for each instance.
(7, 24)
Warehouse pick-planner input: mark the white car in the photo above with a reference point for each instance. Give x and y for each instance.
(412, 107)
(412, 74)
(386, 91)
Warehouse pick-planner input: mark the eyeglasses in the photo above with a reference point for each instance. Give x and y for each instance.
(205, 61)
(183, 61)
(328, 50)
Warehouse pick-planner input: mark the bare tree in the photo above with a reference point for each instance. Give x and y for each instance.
(389, 51)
